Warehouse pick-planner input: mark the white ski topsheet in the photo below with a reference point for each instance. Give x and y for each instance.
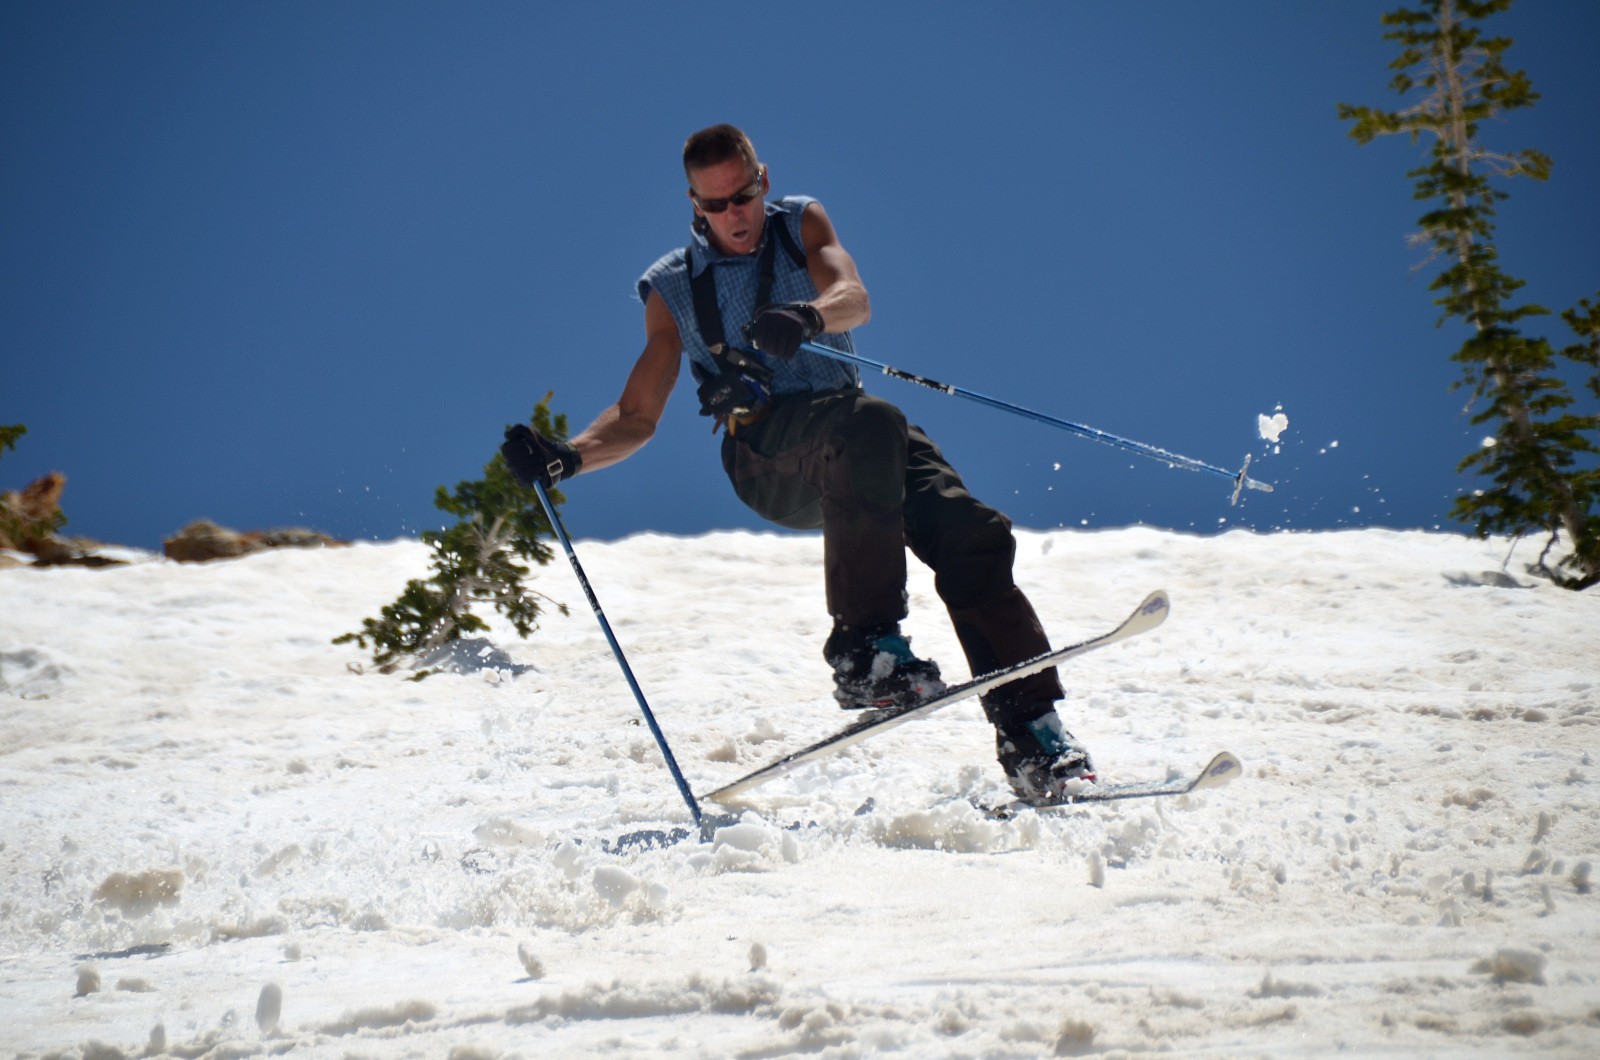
(1222, 768)
(1147, 616)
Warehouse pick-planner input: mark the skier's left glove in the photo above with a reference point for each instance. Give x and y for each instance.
(780, 328)
(534, 458)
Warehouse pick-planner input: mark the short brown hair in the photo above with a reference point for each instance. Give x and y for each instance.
(715, 145)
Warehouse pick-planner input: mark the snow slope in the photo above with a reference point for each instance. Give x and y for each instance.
(215, 839)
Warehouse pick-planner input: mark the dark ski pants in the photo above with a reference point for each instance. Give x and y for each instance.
(849, 463)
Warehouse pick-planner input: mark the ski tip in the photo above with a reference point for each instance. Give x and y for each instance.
(1221, 769)
(1151, 613)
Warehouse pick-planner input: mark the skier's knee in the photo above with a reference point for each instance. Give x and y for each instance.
(870, 443)
(871, 424)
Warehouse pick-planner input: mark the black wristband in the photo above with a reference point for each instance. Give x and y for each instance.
(814, 322)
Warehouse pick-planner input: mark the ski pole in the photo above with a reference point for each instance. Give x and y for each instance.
(1240, 478)
(616, 649)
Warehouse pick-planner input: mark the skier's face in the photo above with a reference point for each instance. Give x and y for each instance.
(736, 226)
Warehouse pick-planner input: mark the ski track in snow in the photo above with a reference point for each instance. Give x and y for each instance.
(215, 840)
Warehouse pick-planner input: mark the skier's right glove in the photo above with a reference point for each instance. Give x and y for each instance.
(534, 458)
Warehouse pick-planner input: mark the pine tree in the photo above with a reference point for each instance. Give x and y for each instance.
(474, 562)
(1540, 463)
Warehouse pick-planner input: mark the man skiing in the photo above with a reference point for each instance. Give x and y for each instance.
(806, 447)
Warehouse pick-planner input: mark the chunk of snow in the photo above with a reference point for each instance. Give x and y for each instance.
(1271, 428)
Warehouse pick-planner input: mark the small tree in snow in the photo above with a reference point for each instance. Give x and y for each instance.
(1541, 460)
(474, 562)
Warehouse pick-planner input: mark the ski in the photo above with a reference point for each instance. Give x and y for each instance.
(1219, 771)
(1147, 616)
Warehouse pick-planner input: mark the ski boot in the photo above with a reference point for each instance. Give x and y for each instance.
(873, 667)
(1041, 758)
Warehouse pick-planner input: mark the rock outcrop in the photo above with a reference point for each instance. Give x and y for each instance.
(29, 519)
(203, 540)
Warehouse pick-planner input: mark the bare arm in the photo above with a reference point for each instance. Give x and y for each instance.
(624, 428)
(841, 296)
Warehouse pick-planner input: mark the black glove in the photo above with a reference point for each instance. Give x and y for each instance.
(534, 458)
(725, 393)
(780, 328)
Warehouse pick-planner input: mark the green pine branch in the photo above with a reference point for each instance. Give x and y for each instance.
(483, 559)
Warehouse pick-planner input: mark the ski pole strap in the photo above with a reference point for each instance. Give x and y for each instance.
(1239, 478)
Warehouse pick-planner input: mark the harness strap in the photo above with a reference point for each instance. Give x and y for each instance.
(707, 314)
(737, 368)
(703, 288)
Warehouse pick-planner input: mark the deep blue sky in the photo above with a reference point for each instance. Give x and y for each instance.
(298, 263)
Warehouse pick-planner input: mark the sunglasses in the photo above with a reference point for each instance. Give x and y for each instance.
(749, 194)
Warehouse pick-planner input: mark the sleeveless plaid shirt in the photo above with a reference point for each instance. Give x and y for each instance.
(736, 295)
